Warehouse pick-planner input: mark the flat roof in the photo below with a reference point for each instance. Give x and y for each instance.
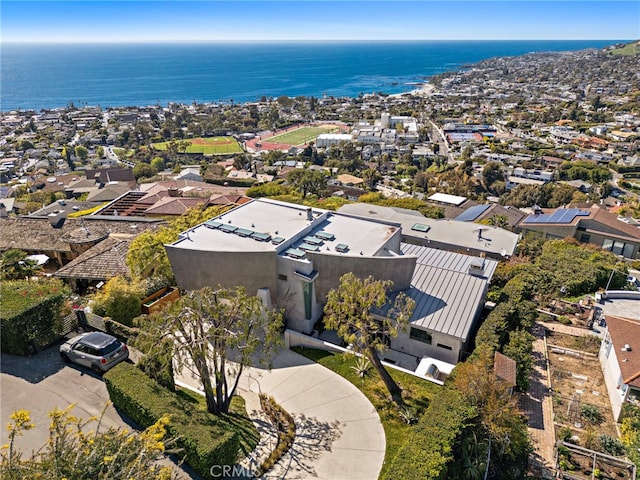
(446, 198)
(457, 234)
(269, 225)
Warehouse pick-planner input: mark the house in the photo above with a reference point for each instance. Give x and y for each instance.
(347, 180)
(101, 262)
(64, 239)
(293, 256)
(587, 224)
(190, 173)
(620, 361)
(443, 234)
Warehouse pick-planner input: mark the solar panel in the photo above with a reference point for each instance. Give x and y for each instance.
(312, 240)
(294, 253)
(561, 216)
(325, 235)
(262, 237)
(470, 214)
(308, 248)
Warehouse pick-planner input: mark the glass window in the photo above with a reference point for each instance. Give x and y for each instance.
(584, 238)
(628, 250)
(607, 244)
(420, 335)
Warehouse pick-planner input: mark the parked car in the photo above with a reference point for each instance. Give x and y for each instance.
(95, 350)
(635, 283)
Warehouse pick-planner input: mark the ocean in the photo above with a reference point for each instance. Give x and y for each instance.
(46, 76)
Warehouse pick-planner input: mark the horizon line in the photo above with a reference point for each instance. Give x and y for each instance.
(283, 40)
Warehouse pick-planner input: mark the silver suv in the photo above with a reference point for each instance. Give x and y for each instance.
(95, 350)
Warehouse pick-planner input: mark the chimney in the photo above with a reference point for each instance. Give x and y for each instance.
(309, 214)
(173, 192)
(57, 218)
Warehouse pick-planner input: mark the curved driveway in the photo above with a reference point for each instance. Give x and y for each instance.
(338, 431)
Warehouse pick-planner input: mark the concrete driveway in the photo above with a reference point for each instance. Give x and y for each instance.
(42, 382)
(339, 435)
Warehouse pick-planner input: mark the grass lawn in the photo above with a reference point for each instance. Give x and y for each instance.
(302, 135)
(208, 145)
(237, 419)
(629, 49)
(416, 394)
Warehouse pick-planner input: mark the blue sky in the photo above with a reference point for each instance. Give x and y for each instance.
(150, 21)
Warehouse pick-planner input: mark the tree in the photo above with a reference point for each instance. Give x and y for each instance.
(74, 451)
(100, 152)
(307, 181)
(158, 164)
(120, 300)
(14, 265)
(216, 333)
(349, 311)
(144, 170)
(81, 152)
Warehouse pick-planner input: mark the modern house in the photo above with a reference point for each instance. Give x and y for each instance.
(587, 224)
(295, 255)
(457, 236)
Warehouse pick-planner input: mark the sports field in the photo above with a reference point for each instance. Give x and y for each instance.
(302, 135)
(209, 145)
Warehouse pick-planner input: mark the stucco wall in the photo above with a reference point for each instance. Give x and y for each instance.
(195, 269)
(612, 376)
(405, 344)
(331, 267)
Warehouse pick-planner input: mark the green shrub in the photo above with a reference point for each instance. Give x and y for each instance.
(612, 446)
(119, 330)
(30, 314)
(429, 447)
(204, 439)
(564, 320)
(592, 414)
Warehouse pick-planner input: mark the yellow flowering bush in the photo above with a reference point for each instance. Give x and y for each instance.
(75, 451)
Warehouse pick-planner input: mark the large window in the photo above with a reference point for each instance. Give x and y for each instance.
(420, 335)
(618, 247)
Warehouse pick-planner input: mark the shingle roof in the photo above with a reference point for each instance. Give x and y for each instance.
(105, 260)
(37, 235)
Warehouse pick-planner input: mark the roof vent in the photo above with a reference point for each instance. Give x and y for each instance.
(626, 348)
(309, 214)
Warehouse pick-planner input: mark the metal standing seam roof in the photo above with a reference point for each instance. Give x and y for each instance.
(446, 301)
(446, 260)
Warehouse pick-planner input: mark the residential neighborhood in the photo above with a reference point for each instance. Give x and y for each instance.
(491, 218)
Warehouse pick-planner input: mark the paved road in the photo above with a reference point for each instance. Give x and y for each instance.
(42, 382)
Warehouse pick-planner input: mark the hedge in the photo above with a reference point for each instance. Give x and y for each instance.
(204, 439)
(428, 449)
(30, 314)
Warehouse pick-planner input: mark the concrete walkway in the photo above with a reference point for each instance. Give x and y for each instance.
(339, 435)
